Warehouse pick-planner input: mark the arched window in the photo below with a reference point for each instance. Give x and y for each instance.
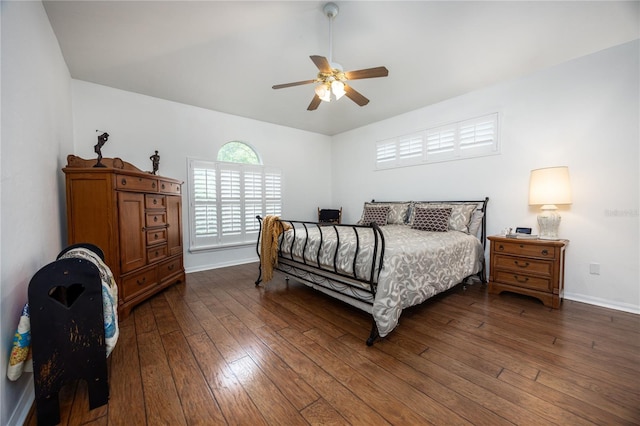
(238, 152)
(228, 194)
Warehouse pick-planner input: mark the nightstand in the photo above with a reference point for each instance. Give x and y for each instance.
(530, 267)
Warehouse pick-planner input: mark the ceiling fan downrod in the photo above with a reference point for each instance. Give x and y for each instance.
(331, 11)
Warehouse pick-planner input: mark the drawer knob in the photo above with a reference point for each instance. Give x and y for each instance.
(521, 264)
(123, 182)
(155, 236)
(155, 218)
(171, 267)
(521, 279)
(144, 280)
(163, 186)
(545, 252)
(500, 247)
(155, 201)
(153, 185)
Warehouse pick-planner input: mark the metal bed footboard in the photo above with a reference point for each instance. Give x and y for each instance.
(358, 291)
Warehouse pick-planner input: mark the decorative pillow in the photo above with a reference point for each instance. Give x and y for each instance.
(398, 212)
(460, 214)
(431, 219)
(476, 223)
(377, 214)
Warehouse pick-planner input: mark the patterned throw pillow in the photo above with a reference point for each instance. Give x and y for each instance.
(460, 214)
(436, 220)
(375, 214)
(398, 212)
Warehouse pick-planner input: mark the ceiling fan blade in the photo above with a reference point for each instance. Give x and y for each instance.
(314, 103)
(367, 73)
(322, 63)
(297, 83)
(355, 96)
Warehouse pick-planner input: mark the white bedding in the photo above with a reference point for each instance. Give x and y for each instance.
(417, 264)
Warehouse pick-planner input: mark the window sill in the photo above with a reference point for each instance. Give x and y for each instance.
(218, 247)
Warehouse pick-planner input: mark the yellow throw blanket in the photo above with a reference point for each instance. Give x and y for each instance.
(272, 227)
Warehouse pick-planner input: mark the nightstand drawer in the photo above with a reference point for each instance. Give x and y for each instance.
(522, 280)
(524, 249)
(524, 265)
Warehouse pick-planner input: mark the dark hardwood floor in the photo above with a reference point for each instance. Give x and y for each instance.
(218, 350)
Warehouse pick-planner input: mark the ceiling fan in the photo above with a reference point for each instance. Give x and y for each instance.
(331, 79)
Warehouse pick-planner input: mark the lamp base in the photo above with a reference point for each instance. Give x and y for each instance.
(549, 222)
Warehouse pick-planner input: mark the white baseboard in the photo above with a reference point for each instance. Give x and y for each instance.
(235, 262)
(626, 307)
(19, 415)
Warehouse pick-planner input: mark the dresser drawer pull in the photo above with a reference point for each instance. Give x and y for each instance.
(155, 201)
(500, 247)
(144, 280)
(124, 182)
(171, 267)
(153, 185)
(155, 218)
(163, 186)
(521, 280)
(545, 252)
(521, 265)
(155, 236)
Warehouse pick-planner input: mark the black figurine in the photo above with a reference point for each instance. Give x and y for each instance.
(102, 139)
(155, 160)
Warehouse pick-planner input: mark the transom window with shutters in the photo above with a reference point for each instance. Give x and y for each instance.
(475, 137)
(226, 195)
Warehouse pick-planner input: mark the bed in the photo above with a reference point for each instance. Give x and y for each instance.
(398, 255)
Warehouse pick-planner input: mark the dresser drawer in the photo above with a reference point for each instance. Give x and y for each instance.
(156, 219)
(133, 183)
(139, 282)
(523, 265)
(523, 280)
(169, 268)
(524, 249)
(156, 253)
(170, 187)
(156, 236)
(153, 201)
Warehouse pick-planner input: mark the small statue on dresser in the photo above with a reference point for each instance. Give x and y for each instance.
(102, 139)
(155, 161)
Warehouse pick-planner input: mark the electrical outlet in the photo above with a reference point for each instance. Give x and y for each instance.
(594, 268)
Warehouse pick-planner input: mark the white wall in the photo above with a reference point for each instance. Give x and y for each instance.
(139, 124)
(36, 135)
(584, 114)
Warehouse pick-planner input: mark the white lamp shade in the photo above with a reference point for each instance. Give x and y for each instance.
(550, 186)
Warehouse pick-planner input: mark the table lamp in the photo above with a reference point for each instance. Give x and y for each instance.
(548, 187)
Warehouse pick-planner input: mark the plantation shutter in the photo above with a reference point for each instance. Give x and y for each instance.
(478, 136)
(226, 198)
(410, 148)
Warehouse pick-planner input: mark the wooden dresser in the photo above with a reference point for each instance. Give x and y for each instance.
(531, 267)
(135, 217)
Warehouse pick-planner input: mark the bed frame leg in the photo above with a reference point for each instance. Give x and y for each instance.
(373, 335)
(259, 280)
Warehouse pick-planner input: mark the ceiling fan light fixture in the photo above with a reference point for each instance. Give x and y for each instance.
(337, 87)
(323, 90)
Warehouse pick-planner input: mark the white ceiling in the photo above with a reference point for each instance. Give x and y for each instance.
(225, 55)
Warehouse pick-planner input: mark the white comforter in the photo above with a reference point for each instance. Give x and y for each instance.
(417, 264)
